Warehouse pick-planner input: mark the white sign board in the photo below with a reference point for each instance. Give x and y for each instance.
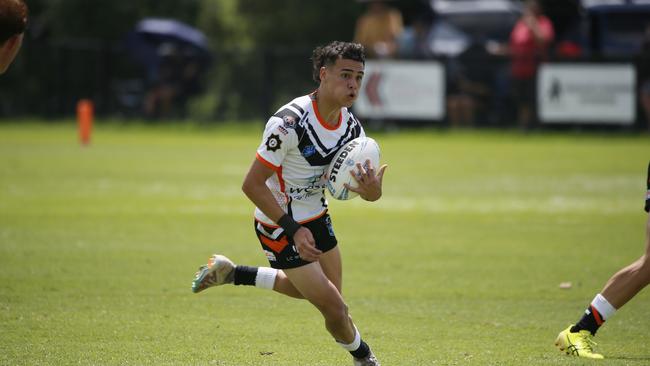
(586, 93)
(402, 90)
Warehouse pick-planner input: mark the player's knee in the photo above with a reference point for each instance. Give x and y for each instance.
(336, 311)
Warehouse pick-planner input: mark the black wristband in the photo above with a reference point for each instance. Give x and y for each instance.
(289, 225)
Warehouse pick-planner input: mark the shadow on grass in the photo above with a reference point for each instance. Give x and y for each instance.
(643, 359)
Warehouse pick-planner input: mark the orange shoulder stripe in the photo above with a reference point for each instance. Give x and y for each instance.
(267, 163)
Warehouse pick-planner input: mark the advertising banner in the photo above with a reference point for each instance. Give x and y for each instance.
(402, 90)
(586, 93)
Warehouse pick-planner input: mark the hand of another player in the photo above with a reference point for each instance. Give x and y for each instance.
(306, 245)
(369, 181)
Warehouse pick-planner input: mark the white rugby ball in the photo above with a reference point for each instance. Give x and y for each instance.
(338, 173)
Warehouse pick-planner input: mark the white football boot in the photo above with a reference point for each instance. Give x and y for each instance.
(219, 271)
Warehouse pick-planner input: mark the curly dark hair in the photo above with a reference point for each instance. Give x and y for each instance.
(328, 54)
(13, 18)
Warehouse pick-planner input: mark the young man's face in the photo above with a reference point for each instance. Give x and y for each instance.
(342, 81)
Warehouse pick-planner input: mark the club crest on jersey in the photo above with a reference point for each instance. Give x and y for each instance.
(289, 121)
(308, 151)
(273, 143)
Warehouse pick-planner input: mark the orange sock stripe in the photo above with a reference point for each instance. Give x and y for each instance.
(596, 314)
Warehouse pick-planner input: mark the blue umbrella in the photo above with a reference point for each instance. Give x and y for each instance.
(160, 29)
(149, 42)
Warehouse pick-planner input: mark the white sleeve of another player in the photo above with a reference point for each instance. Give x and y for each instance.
(277, 140)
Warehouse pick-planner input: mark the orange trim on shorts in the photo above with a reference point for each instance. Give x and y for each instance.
(276, 245)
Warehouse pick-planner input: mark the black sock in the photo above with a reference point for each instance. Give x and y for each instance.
(591, 321)
(245, 275)
(361, 352)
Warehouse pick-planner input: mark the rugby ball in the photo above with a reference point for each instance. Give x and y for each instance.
(345, 161)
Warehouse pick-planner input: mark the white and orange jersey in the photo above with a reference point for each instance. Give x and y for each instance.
(298, 145)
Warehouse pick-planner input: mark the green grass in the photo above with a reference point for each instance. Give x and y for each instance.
(459, 263)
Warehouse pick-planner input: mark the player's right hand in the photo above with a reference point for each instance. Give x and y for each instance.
(306, 245)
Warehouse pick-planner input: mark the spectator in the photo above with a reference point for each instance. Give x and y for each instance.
(470, 80)
(378, 29)
(13, 21)
(530, 41)
(161, 96)
(175, 80)
(644, 76)
(414, 41)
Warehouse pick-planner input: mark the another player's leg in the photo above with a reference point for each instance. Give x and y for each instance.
(621, 288)
(627, 282)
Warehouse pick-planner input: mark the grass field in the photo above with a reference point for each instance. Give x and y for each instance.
(459, 263)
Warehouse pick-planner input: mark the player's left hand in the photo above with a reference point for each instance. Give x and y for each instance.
(369, 181)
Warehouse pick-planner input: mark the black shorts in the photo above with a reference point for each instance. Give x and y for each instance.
(280, 249)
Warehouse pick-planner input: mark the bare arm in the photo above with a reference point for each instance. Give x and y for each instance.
(255, 188)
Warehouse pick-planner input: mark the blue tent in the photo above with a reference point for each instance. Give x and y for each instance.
(616, 27)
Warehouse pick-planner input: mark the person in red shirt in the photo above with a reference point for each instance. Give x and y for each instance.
(529, 43)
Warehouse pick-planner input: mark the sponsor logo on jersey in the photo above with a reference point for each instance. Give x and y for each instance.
(283, 130)
(289, 121)
(305, 193)
(308, 151)
(273, 142)
(294, 257)
(308, 188)
(328, 223)
(270, 256)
